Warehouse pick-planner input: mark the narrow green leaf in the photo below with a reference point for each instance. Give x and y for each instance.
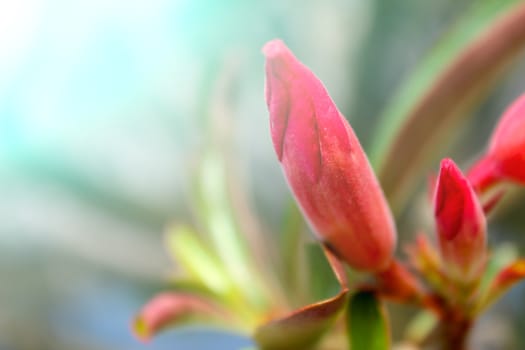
(322, 281)
(214, 208)
(367, 323)
(206, 271)
(301, 329)
(197, 261)
(501, 256)
(293, 271)
(442, 90)
(188, 285)
(505, 279)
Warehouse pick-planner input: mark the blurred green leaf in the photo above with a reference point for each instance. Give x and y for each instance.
(207, 275)
(421, 326)
(293, 259)
(41, 167)
(191, 286)
(368, 327)
(301, 329)
(437, 97)
(501, 256)
(506, 277)
(194, 256)
(322, 281)
(213, 207)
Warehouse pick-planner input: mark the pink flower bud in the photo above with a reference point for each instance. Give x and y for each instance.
(460, 224)
(505, 158)
(325, 165)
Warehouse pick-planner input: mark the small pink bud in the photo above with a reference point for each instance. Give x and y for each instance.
(325, 165)
(505, 158)
(460, 224)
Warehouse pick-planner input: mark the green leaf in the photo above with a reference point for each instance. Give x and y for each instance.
(504, 280)
(207, 275)
(293, 271)
(197, 261)
(322, 281)
(214, 208)
(301, 329)
(367, 323)
(421, 326)
(501, 256)
(188, 285)
(442, 90)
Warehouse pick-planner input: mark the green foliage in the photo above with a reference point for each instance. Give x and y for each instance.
(367, 323)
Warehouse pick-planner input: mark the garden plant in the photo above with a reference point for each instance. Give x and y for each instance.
(336, 291)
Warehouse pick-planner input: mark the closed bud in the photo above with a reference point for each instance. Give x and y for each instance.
(505, 158)
(461, 224)
(325, 166)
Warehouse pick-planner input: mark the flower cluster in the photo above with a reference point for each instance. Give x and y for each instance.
(340, 197)
(332, 181)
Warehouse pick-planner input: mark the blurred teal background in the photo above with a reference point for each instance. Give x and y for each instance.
(105, 107)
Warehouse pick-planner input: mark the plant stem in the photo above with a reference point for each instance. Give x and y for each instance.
(455, 329)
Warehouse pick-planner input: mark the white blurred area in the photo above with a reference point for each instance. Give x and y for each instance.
(18, 25)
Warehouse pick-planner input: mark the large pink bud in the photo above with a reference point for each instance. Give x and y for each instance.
(325, 165)
(461, 224)
(505, 158)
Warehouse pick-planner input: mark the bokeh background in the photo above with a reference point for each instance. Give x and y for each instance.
(105, 107)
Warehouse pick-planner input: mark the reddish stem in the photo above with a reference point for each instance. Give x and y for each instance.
(483, 175)
(455, 332)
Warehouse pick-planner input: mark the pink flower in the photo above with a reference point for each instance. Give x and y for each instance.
(460, 224)
(505, 158)
(325, 165)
